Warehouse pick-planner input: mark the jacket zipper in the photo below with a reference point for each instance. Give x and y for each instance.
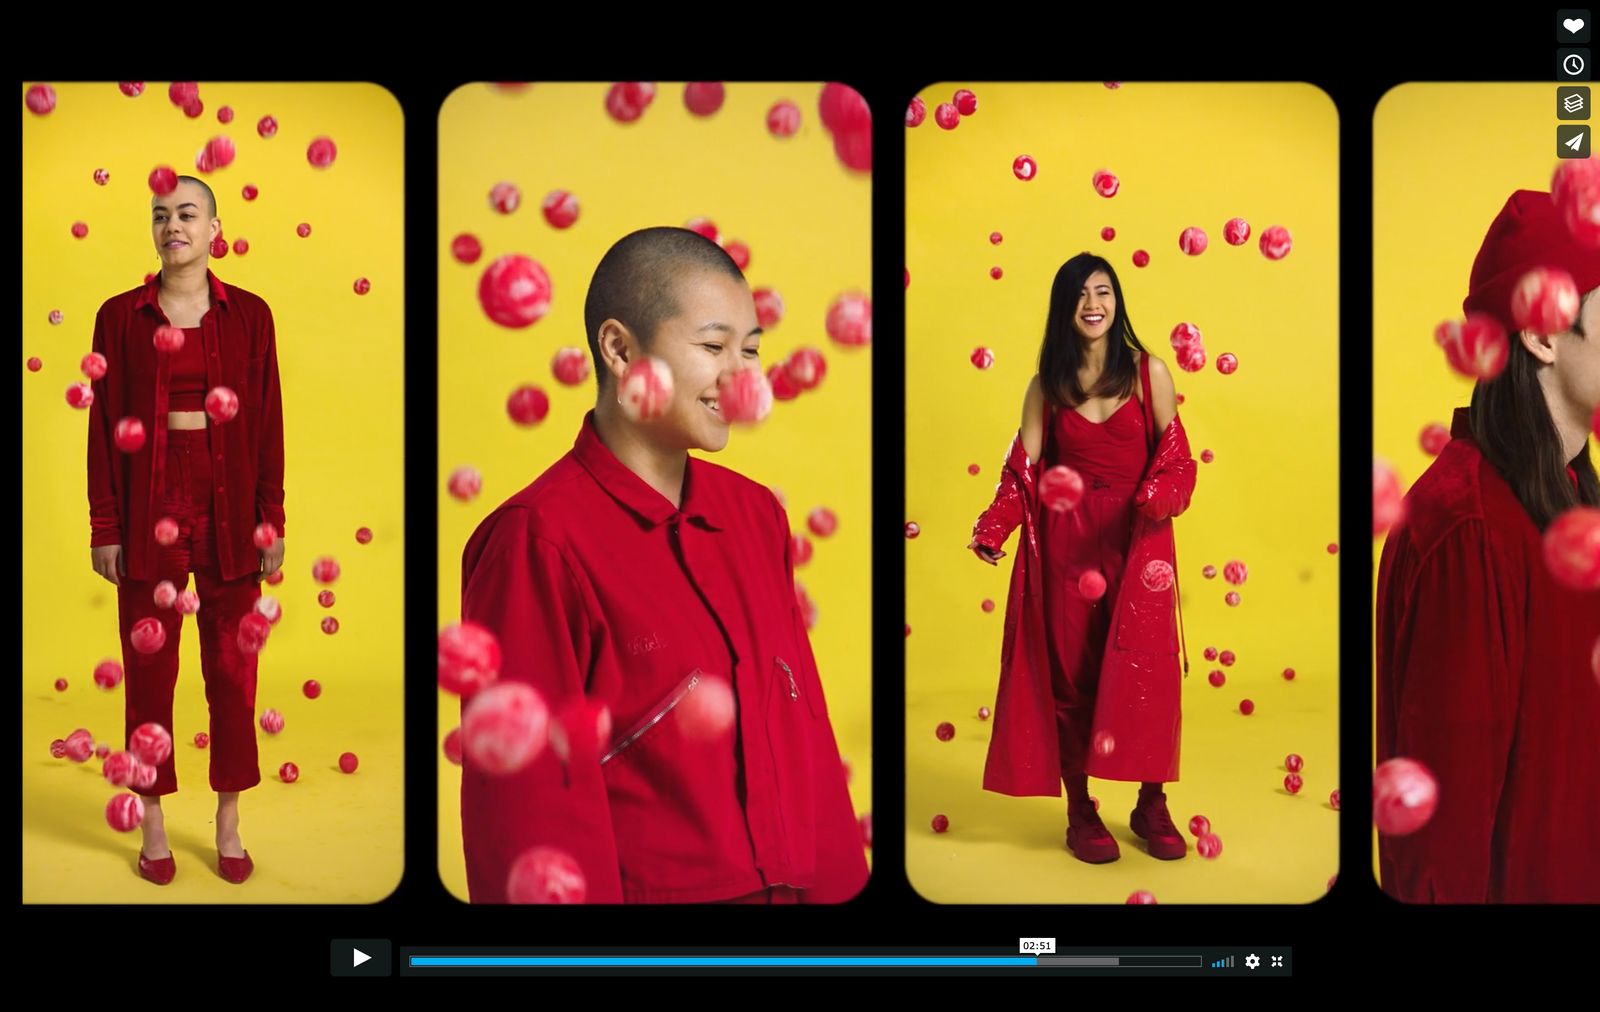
(794, 690)
(638, 732)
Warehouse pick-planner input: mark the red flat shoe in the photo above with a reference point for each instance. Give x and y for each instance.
(1152, 823)
(160, 871)
(235, 869)
(1089, 839)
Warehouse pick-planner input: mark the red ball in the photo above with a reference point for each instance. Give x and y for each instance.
(822, 522)
(1288, 674)
(288, 773)
(1141, 258)
(1292, 783)
(41, 99)
(807, 367)
(61, 685)
(1433, 439)
(55, 317)
(325, 569)
(504, 727)
(505, 197)
(1141, 898)
(966, 102)
(941, 823)
(265, 536)
(1199, 826)
(1206, 456)
(984, 713)
(168, 340)
(241, 246)
(348, 762)
(267, 126)
(362, 286)
(271, 721)
(1024, 167)
(1157, 576)
(703, 98)
(102, 177)
(93, 365)
(268, 607)
(1227, 657)
(947, 116)
(1275, 243)
(982, 358)
(1387, 502)
(913, 528)
(254, 628)
(119, 768)
(312, 688)
(167, 531)
(1208, 846)
(702, 227)
(1211, 652)
(1575, 189)
(465, 483)
(151, 744)
(707, 712)
(739, 253)
(1227, 364)
(188, 602)
(225, 115)
(1103, 743)
(1217, 678)
(194, 109)
(1193, 241)
(79, 229)
(102, 750)
(582, 727)
(560, 208)
(1232, 597)
(183, 93)
(58, 748)
(1236, 232)
(1092, 585)
(1404, 796)
(528, 405)
(330, 625)
(222, 404)
(325, 598)
(148, 636)
(108, 674)
(1333, 799)
(132, 89)
(570, 366)
(124, 812)
(469, 658)
(219, 248)
(800, 549)
(1572, 548)
(626, 101)
(201, 739)
(842, 109)
(219, 153)
(466, 248)
(916, 112)
(1108, 233)
(452, 746)
(1247, 707)
(769, 307)
(1061, 488)
(129, 435)
(275, 578)
(973, 469)
(945, 731)
(988, 605)
(79, 745)
(1293, 763)
(1333, 548)
(783, 119)
(514, 291)
(1235, 572)
(1106, 184)
(321, 152)
(546, 875)
(996, 273)
(162, 180)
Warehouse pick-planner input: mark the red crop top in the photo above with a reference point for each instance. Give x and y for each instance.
(188, 389)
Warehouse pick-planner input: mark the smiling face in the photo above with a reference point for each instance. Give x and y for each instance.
(713, 335)
(182, 224)
(1097, 307)
(1576, 368)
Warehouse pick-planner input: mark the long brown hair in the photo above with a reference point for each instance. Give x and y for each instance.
(1062, 351)
(1512, 426)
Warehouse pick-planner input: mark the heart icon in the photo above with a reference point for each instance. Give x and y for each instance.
(1573, 25)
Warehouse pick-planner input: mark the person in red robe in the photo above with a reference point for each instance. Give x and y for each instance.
(1089, 671)
(1483, 658)
(659, 586)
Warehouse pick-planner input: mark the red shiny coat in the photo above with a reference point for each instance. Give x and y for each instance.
(1138, 700)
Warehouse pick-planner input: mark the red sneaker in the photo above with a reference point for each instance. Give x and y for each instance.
(1152, 823)
(235, 869)
(1088, 838)
(160, 871)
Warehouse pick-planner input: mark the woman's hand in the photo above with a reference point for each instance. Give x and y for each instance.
(272, 558)
(108, 563)
(990, 555)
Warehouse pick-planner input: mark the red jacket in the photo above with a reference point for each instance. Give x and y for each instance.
(1138, 700)
(125, 489)
(1484, 677)
(596, 585)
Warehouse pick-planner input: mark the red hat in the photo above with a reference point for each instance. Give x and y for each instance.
(1527, 233)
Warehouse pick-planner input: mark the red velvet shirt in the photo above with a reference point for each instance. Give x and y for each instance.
(1484, 677)
(125, 489)
(596, 584)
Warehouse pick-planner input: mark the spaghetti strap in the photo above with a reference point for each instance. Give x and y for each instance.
(1149, 411)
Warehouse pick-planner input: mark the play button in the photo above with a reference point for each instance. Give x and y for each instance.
(361, 957)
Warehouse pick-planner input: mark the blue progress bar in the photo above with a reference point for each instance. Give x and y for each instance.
(544, 961)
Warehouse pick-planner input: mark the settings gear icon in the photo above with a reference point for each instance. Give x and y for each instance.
(1252, 961)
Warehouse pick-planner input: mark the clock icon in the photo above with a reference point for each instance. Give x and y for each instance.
(1573, 64)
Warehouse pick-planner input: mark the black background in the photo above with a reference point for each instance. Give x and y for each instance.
(1354, 932)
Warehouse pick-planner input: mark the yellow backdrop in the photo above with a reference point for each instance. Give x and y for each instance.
(807, 220)
(329, 838)
(1186, 155)
(1445, 158)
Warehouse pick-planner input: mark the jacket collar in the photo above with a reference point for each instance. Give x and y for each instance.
(150, 295)
(638, 497)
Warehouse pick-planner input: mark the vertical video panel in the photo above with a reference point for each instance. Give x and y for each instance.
(654, 492)
(212, 472)
(1122, 453)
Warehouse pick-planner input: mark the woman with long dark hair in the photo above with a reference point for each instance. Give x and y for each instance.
(1484, 658)
(1090, 678)
(192, 364)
